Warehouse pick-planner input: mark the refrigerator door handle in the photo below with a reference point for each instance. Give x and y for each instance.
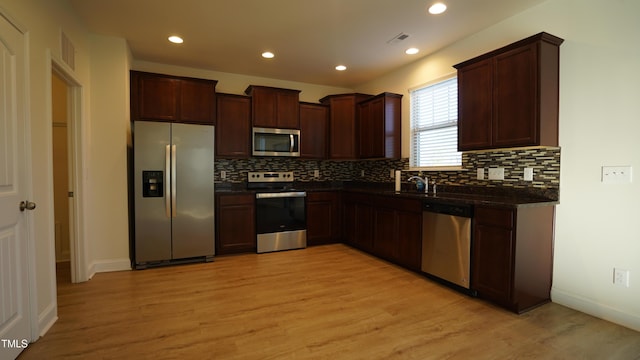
(167, 179)
(174, 187)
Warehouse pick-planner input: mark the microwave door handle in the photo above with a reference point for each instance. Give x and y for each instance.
(291, 142)
(167, 180)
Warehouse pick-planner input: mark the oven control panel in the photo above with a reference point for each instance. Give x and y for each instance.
(269, 176)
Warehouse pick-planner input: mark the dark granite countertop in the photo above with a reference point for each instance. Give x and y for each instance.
(457, 194)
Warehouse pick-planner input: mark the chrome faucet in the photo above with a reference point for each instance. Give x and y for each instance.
(425, 181)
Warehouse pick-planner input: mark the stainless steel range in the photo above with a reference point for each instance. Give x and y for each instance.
(281, 220)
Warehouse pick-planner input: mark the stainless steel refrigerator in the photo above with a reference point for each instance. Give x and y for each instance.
(174, 193)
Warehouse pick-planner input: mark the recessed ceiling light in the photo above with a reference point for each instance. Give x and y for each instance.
(176, 39)
(268, 55)
(437, 8)
(341, 68)
(412, 51)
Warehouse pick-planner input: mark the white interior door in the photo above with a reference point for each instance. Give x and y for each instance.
(14, 280)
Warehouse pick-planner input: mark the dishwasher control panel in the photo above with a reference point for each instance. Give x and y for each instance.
(461, 210)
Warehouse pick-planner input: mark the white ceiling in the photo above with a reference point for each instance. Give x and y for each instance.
(308, 37)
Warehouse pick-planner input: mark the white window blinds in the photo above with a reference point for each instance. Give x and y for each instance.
(434, 125)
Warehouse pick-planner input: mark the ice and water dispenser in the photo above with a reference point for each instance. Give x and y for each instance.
(152, 185)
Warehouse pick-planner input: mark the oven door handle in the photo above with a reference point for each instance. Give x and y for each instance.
(281, 195)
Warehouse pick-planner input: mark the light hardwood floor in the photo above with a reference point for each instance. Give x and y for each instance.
(327, 302)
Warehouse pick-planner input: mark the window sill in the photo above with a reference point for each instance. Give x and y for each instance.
(437, 168)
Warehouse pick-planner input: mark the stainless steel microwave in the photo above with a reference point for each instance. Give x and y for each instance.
(276, 142)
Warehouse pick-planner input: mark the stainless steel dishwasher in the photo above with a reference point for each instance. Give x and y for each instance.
(446, 242)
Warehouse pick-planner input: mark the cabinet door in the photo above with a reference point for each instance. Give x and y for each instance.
(493, 254)
(515, 104)
(263, 102)
(322, 218)
(409, 239)
(155, 97)
(372, 129)
(288, 111)
(313, 131)
(197, 101)
(475, 89)
(365, 130)
(233, 129)
(235, 224)
(342, 128)
(363, 236)
(384, 233)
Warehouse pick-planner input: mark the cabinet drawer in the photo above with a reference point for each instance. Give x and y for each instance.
(494, 216)
(236, 199)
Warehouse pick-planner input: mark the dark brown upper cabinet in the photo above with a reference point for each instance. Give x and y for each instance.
(159, 97)
(233, 126)
(274, 107)
(343, 124)
(509, 97)
(314, 120)
(379, 124)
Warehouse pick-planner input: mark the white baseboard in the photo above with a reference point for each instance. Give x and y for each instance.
(598, 310)
(109, 265)
(47, 318)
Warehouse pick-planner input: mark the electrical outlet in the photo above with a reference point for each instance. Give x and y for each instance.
(616, 174)
(392, 173)
(621, 277)
(362, 173)
(480, 174)
(316, 173)
(496, 173)
(223, 174)
(528, 174)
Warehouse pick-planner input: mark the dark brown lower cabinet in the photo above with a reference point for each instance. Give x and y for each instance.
(235, 223)
(387, 227)
(323, 217)
(512, 255)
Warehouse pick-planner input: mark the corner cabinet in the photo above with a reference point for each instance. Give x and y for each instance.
(379, 127)
(343, 129)
(387, 227)
(509, 97)
(274, 107)
(159, 97)
(235, 223)
(233, 128)
(512, 255)
(313, 130)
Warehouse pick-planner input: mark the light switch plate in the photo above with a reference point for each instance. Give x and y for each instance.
(616, 174)
(496, 173)
(223, 174)
(392, 173)
(316, 173)
(480, 174)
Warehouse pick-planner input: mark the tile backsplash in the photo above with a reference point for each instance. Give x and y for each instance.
(545, 162)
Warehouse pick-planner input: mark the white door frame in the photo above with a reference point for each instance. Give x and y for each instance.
(77, 131)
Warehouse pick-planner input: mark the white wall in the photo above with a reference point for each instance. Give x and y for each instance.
(108, 229)
(596, 224)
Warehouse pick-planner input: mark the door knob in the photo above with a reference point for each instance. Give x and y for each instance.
(27, 205)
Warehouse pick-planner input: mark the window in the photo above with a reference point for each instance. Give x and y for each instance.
(434, 125)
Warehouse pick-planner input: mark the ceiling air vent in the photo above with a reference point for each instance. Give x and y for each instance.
(398, 38)
(68, 51)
